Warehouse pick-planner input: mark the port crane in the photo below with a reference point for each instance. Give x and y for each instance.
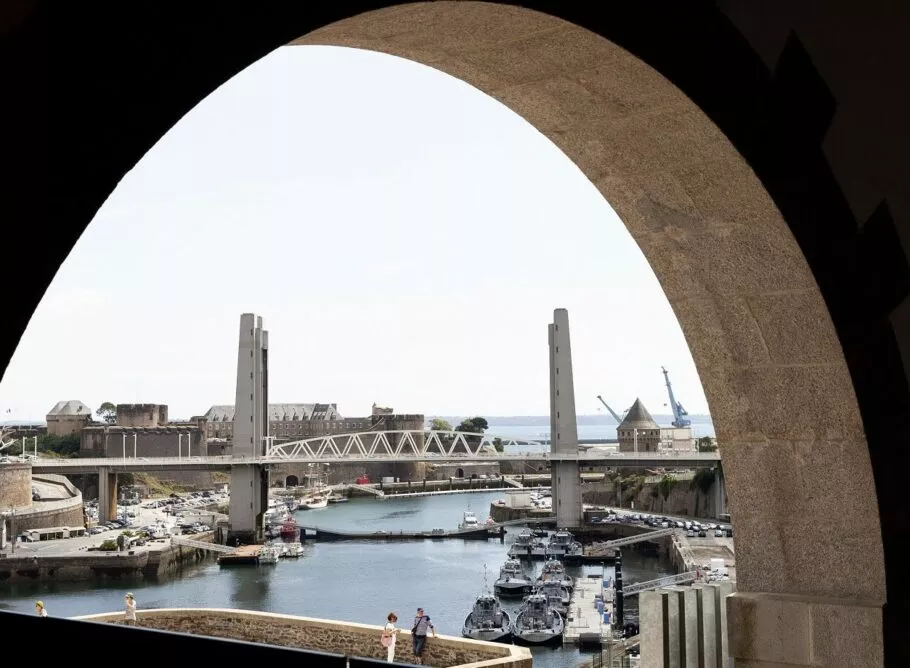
(612, 412)
(680, 418)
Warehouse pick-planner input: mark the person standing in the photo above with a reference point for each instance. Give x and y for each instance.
(422, 624)
(389, 636)
(40, 609)
(130, 616)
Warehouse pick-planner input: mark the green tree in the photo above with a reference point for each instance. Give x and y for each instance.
(706, 444)
(65, 446)
(438, 424)
(474, 425)
(107, 412)
(497, 443)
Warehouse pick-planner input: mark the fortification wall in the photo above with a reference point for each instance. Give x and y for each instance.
(15, 485)
(323, 635)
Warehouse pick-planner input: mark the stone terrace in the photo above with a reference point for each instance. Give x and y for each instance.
(323, 635)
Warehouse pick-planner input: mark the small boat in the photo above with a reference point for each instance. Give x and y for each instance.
(468, 521)
(563, 546)
(521, 548)
(292, 550)
(269, 554)
(291, 504)
(554, 571)
(558, 596)
(487, 621)
(290, 531)
(334, 498)
(512, 580)
(537, 623)
(315, 502)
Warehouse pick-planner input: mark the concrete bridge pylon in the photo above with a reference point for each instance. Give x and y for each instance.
(250, 482)
(565, 475)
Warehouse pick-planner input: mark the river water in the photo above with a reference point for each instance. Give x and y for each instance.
(353, 581)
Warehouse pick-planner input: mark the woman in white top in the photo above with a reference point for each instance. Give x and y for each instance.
(40, 609)
(130, 609)
(389, 633)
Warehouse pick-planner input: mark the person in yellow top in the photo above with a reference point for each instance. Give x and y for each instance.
(40, 609)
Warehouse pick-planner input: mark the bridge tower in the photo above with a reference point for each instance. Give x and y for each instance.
(565, 475)
(250, 482)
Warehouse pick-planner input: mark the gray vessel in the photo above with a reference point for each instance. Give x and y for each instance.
(521, 548)
(554, 571)
(487, 621)
(563, 546)
(557, 596)
(537, 623)
(512, 580)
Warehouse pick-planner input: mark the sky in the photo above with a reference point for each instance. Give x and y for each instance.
(404, 237)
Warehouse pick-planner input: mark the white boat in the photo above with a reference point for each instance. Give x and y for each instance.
(269, 554)
(469, 521)
(292, 550)
(314, 502)
(554, 571)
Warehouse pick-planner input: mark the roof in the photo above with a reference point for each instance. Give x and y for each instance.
(280, 412)
(72, 407)
(638, 417)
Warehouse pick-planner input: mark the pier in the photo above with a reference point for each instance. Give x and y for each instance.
(584, 622)
(245, 554)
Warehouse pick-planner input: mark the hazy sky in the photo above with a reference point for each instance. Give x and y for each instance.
(396, 229)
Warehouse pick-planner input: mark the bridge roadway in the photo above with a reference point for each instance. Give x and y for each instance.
(89, 465)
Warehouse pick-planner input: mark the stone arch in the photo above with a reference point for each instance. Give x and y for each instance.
(782, 257)
(291, 481)
(459, 472)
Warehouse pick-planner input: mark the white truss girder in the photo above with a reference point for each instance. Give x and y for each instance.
(391, 445)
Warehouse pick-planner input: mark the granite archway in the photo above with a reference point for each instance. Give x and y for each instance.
(739, 150)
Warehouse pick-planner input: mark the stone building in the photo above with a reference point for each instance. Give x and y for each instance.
(287, 422)
(143, 430)
(677, 439)
(68, 417)
(638, 432)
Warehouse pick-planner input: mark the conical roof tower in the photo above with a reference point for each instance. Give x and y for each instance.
(638, 417)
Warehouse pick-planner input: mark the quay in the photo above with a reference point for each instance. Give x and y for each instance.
(585, 623)
(316, 533)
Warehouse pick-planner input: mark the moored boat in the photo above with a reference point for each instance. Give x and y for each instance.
(290, 531)
(521, 548)
(563, 546)
(468, 521)
(537, 623)
(554, 571)
(269, 554)
(512, 580)
(487, 621)
(558, 597)
(292, 550)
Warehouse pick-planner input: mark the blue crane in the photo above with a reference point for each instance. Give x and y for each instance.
(679, 413)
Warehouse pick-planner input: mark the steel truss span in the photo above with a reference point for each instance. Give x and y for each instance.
(397, 444)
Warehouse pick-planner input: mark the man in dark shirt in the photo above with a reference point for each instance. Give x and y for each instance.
(422, 623)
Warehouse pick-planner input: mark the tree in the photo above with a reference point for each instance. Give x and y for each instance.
(706, 444)
(474, 425)
(107, 412)
(438, 424)
(497, 444)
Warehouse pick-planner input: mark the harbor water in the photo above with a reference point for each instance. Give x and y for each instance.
(354, 581)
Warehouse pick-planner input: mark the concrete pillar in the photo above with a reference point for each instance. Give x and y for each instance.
(651, 627)
(688, 627)
(107, 495)
(706, 626)
(249, 482)
(565, 477)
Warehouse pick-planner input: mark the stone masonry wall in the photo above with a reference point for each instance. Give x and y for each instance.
(323, 635)
(15, 485)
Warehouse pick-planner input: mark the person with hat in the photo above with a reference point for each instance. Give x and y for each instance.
(40, 609)
(130, 601)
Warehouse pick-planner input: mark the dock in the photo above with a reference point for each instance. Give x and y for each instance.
(245, 554)
(597, 553)
(584, 624)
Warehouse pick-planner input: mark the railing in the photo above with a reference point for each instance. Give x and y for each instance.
(648, 585)
(201, 545)
(639, 538)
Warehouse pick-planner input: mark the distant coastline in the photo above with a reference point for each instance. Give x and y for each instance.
(544, 420)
